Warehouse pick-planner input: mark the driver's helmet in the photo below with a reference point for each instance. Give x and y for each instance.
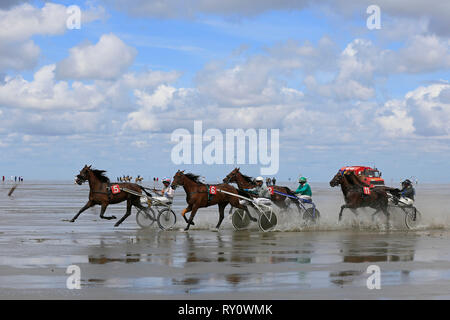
(407, 182)
(259, 179)
(166, 180)
(302, 180)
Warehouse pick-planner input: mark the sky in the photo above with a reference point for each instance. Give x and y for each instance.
(111, 93)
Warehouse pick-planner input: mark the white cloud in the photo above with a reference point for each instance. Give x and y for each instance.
(20, 23)
(261, 79)
(422, 53)
(424, 111)
(44, 93)
(107, 59)
(46, 106)
(430, 109)
(395, 119)
(18, 56)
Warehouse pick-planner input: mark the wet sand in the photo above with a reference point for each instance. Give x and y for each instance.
(329, 261)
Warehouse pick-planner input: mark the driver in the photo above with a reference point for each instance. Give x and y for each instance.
(304, 189)
(262, 192)
(407, 193)
(166, 193)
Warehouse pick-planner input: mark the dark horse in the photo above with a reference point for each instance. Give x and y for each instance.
(354, 196)
(246, 182)
(198, 196)
(100, 193)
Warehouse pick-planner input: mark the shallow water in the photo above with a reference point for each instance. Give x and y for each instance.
(37, 244)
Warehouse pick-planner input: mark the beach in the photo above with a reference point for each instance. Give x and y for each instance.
(295, 261)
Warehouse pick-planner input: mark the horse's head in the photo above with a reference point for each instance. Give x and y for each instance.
(178, 179)
(337, 179)
(232, 176)
(83, 175)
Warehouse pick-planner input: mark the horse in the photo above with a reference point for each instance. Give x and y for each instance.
(198, 196)
(246, 182)
(138, 179)
(100, 193)
(353, 189)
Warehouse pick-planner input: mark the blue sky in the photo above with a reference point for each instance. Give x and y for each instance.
(111, 93)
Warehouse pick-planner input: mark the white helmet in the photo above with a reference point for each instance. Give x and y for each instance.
(259, 179)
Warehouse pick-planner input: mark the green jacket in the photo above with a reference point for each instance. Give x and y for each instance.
(304, 190)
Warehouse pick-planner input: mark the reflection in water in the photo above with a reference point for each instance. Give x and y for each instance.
(102, 259)
(242, 249)
(359, 249)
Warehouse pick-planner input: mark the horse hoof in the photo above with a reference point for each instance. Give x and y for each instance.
(116, 225)
(72, 220)
(113, 217)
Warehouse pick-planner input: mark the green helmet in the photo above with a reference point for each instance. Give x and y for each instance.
(302, 180)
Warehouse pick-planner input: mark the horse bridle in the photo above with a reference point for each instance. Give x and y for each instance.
(80, 179)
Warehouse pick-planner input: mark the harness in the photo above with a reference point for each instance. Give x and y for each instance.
(208, 191)
(108, 191)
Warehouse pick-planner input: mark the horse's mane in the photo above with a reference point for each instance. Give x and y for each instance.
(100, 175)
(193, 177)
(247, 178)
(357, 179)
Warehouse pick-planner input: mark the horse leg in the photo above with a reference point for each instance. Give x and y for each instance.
(102, 212)
(126, 215)
(388, 215)
(86, 206)
(374, 214)
(221, 213)
(183, 214)
(340, 212)
(191, 217)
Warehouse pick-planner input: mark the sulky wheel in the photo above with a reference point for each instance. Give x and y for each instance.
(412, 217)
(145, 218)
(311, 215)
(166, 219)
(240, 219)
(267, 221)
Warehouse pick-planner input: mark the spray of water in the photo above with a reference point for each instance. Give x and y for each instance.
(431, 200)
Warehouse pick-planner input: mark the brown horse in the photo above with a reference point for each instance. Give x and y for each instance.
(100, 193)
(246, 182)
(198, 196)
(353, 189)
